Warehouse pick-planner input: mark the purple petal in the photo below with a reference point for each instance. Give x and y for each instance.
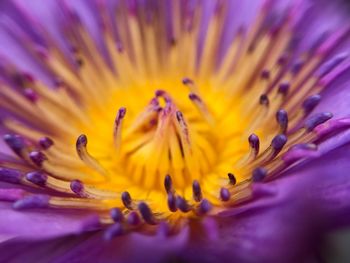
(40, 224)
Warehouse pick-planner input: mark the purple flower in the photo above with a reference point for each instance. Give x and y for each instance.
(172, 131)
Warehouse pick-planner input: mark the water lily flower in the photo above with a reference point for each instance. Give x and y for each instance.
(172, 131)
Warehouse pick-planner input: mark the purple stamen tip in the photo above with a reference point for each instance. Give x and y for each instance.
(10, 175)
(28, 77)
(283, 88)
(37, 178)
(126, 199)
(254, 142)
(77, 187)
(224, 194)
(317, 119)
(187, 81)
(113, 231)
(232, 178)
(81, 141)
(278, 142)
(264, 100)
(146, 213)
(204, 207)
(265, 74)
(296, 67)
(58, 82)
(197, 192)
(282, 119)
(168, 184)
(133, 218)
(160, 93)
(116, 214)
(37, 158)
(193, 96)
(282, 59)
(45, 143)
(311, 102)
(172, 202)
(33, 201)
(259, 174)
(30, 94)
(182, 204)
(15, 142)
(121, 112)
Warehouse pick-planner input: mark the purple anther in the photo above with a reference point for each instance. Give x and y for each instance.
(28, 77)
(265, 74)
(232, 178)
(311, 102)
(282, 59)
(254, 142)
(278, 142)
(32, 201)
(77, 187)
(182, 204)
(168, 183)
(37, 158)
(120, 115)
(171, 200)
(127, 201)
(81, 141)
(282, 119)
(30, 94)
(146, 213)
(204, 207)
(259, 174)
(224, 194)
(45, 143)
(113, 231)
(10, 175)
(15, 142)
(194, 97)
(187, 81)
(122, 112)
(317, 119)
(297, 66)
(197, 192)
(264, 100)
(58, 82)
(283, 88)
(133, 218)
(116, 214)
(37, 177)
(160, 93)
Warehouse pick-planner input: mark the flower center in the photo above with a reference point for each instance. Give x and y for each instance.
(178, 131)
(151, 128)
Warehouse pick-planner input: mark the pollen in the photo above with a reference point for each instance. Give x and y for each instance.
(150, 126)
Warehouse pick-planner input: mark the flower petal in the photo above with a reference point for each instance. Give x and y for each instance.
(41, 224)
(92, 248)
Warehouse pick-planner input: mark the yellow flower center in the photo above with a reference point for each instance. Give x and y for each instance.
(158, 129)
